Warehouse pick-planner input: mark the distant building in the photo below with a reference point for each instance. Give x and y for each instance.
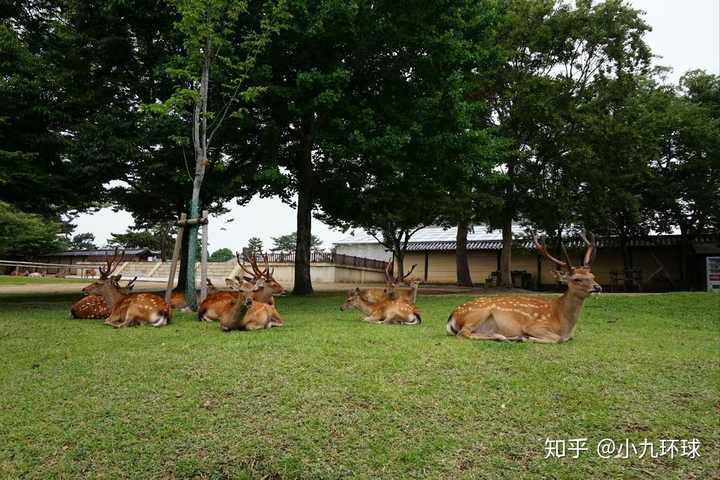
(655, 259)
(99, 255)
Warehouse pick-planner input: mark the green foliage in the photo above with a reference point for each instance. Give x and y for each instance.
(255, 245)
(24, 234)
(221, 255)
(83, 241)
(158, 238)
(286, 243)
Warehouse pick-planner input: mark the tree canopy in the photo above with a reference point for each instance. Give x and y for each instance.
(385, 116)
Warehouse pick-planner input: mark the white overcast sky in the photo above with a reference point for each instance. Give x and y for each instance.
(685, 36)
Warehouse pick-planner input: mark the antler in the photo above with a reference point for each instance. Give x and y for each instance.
(388, 277)
(567, 257)
(266, 272)
(112, 264)
(591, 249)
(242, 265)
(131, 282)
(543, 251)
(408, 274)
(253, 263)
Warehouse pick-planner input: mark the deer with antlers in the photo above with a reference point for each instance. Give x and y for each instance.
(244, 313)
(127, 309)
(389, 305)
(270, 286)
(388, 311)
(532, 319)
(261, 283)
(93, 306)
(391, 290)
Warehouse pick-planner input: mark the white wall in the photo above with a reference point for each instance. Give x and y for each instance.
(364, 250)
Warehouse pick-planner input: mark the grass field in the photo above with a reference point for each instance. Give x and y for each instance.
(8, 280)
(329, 396)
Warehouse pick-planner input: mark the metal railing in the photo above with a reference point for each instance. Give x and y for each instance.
(325, 257)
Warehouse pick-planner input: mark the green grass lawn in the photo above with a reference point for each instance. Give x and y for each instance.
(8, 280)
(329, 396)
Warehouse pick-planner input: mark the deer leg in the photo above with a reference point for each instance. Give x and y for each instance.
(275, 319)
(483, 330)
(374, 318)
(542, 336)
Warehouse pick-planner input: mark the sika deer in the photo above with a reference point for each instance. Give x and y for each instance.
(127, 310)
(527, 318)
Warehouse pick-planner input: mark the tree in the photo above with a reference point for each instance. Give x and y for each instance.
(23, 235)
(54, 78)
(305, 72)
(255, 245)
(287, 243)
(555, 51)
(83, 241)
(399, 158)
(209, 29)
(221, 255)
(156, 239)
(685, 188)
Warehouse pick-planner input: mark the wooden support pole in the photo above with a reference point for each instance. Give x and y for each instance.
(175, 258)
(204, 257)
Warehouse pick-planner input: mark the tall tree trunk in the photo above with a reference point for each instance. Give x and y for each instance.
(684, 251)
(200, 142)
(303, 281)
(509, 210)
(506, 254)
(461, 256)
(182, 270)
(400, 258)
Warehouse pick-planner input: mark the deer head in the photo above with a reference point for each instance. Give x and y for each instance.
(107, 280)
(579, 280)
(392, 281)
(355, 299)
(255, 274)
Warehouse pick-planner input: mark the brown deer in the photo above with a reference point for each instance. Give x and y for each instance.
(391, 290)
(88, 273)
(262, 284)
(244, 313)
(383, 310)
(270, 286)
(93, 306)
(177, 297)
(532, 319)
(128, 310)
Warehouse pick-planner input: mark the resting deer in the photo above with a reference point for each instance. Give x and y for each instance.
(93, 306)
(246, 314)
(177, 297)
(270, 286)
(530, 318)
(262, 284)
(391, 290)
(128, 310)
(386, 310)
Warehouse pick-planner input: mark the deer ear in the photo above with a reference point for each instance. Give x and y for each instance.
(115, 278)
(562, 276)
